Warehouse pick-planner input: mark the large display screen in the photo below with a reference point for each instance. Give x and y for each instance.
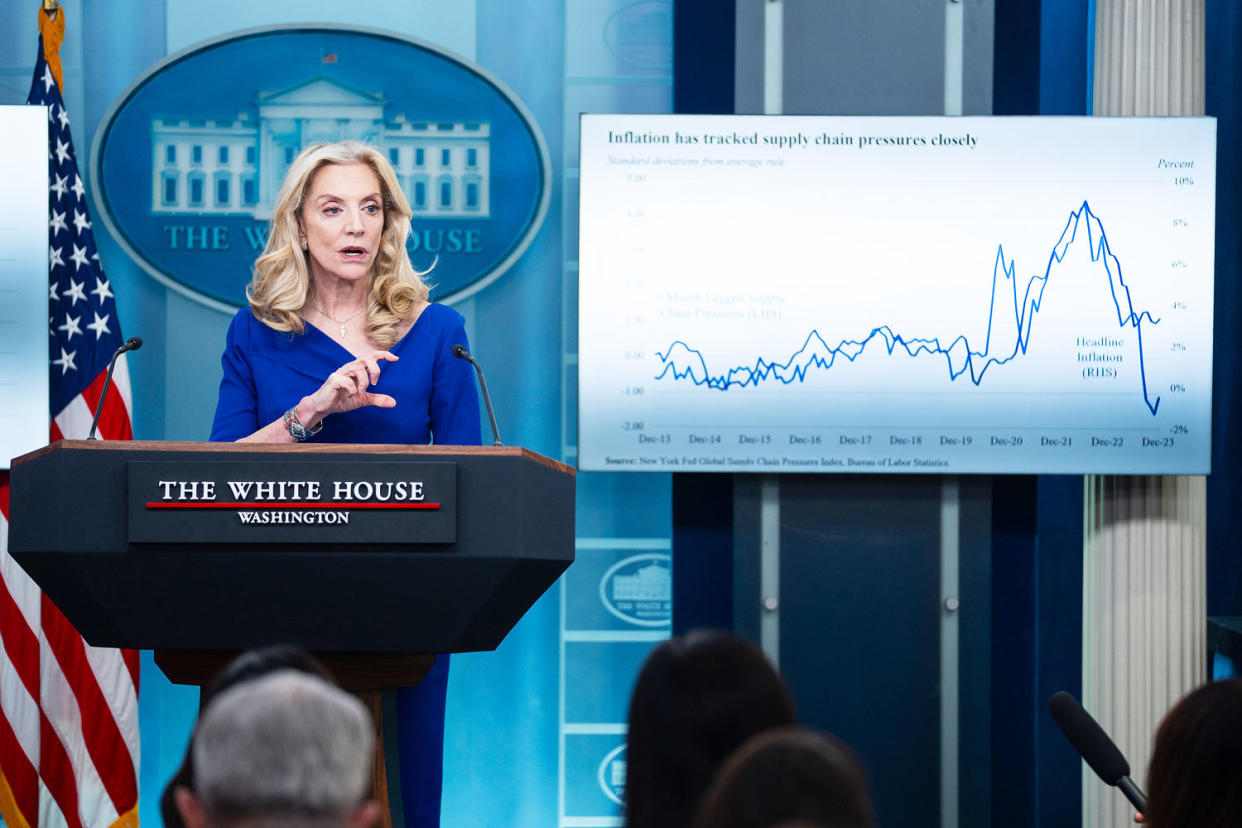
(24, 417)
(956, 295)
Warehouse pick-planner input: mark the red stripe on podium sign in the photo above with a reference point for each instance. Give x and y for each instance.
(215, 505)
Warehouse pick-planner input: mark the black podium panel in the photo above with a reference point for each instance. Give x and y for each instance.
(70, 510)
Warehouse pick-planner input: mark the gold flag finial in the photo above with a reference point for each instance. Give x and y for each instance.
(52, 28)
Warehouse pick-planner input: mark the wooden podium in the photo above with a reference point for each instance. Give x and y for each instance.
(370, 556)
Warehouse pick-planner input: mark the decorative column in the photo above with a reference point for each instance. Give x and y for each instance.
(1144, 587)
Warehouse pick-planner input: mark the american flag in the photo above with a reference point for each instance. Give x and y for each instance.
(68, 711)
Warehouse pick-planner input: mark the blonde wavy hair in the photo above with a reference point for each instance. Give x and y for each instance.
(282, 286)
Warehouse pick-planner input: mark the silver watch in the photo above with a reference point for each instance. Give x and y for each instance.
(300, 432)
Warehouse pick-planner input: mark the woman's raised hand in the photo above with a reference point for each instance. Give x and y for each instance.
(345, 389)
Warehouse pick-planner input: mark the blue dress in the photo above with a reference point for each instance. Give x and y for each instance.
(266, 372)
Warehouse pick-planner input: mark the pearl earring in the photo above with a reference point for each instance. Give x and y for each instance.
(305, 246)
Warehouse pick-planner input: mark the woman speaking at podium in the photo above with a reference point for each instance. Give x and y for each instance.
(340, 344)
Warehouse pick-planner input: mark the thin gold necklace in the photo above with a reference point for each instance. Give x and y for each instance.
(340, 322)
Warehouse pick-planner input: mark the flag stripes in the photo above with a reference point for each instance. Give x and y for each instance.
(116, 671)
(21, 797)
(19, 683)
(98, 732)
(56, 779)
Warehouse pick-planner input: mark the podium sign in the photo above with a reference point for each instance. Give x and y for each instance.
(231, 501)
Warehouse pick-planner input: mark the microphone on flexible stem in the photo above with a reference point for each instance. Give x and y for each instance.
(1093, 744)
(460, 352)
(131, 344)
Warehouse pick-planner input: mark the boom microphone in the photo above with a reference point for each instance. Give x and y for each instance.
(1094, 746)
(460, 352)
(131, 344)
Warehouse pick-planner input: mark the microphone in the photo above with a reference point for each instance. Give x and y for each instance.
(1093, 744)
(131, 344)
(460, 352)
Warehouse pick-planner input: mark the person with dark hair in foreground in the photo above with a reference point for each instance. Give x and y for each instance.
(287, 749)
(698, 697)
(249, 665)
(789, 776)
(1195, 776)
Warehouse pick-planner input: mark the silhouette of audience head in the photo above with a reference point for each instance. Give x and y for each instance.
(250, 664)
(1195, 776)
(786, 777)
(697, 699)
(285, 749)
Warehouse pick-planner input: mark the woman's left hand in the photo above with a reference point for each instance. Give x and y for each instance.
(345, 389)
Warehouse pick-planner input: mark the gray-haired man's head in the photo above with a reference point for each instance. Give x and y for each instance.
(287, 749)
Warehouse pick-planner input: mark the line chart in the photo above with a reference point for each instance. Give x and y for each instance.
(816, 353)
(927, 295)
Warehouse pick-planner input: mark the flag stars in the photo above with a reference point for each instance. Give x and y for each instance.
(80, 222)
(66, 361)
(102, 289)
(63, 117)
(75, 292)
(79, 259)
(70, 327)
(48, 79)
(78, 189)
(59, 187)
(52, 295)
(99, 326)
(58, 222)
(54, 259)
(62, 151)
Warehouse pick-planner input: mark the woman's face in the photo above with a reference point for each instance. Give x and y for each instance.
(342, 220)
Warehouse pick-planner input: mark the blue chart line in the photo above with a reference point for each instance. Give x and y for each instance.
(683, 362)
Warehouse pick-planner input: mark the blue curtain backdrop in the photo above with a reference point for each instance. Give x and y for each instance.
(1224, 94)
(533, 730)
(1043, 68)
